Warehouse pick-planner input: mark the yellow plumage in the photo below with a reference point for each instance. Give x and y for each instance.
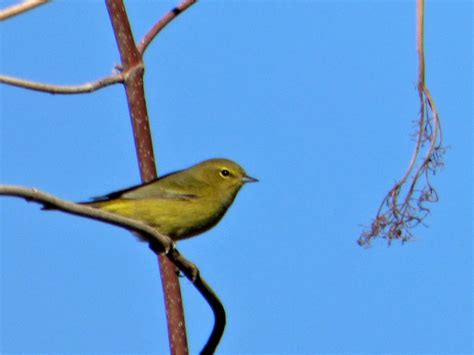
(182, 204)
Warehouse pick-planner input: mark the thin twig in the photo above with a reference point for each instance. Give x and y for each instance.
(18, 9)
(159, 243)
(63, 89)
(165, 20)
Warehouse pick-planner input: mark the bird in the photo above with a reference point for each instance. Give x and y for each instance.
(181, 204)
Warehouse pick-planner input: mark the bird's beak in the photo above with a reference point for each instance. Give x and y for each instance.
(246, 179)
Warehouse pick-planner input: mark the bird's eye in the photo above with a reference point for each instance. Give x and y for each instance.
(225, 172)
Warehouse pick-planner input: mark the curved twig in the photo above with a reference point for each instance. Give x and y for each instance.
(165, 20)
(192, 273)
(159, 243)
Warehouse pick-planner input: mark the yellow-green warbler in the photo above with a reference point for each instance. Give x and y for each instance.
(181, 204)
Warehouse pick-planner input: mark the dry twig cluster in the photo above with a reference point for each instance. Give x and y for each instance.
(406, 205)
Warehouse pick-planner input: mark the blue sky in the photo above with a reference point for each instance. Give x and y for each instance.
(315, 98)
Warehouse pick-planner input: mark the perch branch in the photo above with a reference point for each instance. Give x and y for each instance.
(159, 243)
(146, 232)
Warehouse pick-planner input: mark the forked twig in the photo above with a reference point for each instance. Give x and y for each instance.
(94, 85)
(192, 273)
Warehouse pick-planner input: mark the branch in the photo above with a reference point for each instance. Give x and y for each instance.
(159, 243)
(134, 88)
(69, 89)
(396, 216)
(165, 20)
(62, 89)
(147, 233)
(192, 273)
(18, 9)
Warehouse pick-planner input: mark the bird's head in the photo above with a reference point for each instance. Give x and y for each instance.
(222, 174)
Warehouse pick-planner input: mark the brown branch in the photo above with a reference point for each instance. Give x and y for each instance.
(159, 243)
(165, 20)
(130, 56)
(163, 243)
(396, 216)
(192, 273)
(63, 89)
(18, 9)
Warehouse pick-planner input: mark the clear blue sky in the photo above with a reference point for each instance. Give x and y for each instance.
(315, 98)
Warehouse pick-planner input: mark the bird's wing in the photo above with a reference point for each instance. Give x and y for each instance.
(174, 186)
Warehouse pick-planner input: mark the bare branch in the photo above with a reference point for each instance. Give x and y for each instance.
(159, 243)
(147, 233)
(63, 89)
(396, 217)
(134, 88)
(18, 9)
(165, 20)
(209, 295)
